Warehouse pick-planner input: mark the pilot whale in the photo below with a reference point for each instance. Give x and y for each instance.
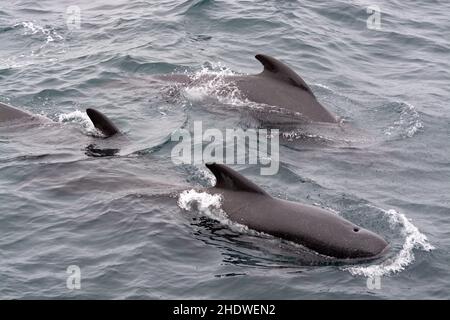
(277, 85)
(12, 115)
(317, 229)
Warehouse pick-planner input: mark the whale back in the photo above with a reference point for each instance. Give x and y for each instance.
(8, 113)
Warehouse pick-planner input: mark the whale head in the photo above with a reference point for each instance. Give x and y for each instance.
(328, 233)
(366, 244)
(358, 243)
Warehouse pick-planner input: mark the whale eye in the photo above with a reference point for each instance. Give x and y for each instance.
(356, 229)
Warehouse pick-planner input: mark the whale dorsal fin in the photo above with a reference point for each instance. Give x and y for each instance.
(277, 69)
(231, 180)
(102, 123)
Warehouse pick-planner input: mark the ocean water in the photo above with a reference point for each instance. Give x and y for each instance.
(129, 218)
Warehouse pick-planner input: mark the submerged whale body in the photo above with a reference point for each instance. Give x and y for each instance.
(277, 85)
(314, 228)
(9, 114)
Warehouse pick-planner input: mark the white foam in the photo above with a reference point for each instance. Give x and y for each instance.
(213, 69)
(36, 55)
(81, 118)
(224, 91)
(208, 176)
(414, 239)
(408, 123)
(300, 134)
(32, 28)
(209, 205)
(201, 201)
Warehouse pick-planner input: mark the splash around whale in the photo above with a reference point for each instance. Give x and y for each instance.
(277, 85)
(315, 228)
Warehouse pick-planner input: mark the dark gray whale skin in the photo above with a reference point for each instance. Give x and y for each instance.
(313, 227)
(102, 122)
(278, 85)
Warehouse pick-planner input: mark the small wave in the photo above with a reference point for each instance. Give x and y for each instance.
(49, 33)
(44, 36)
(16, 62)
(194, 6)
(408, 123)
(414, 239)
(324, 86)
(209, 205)
(81, 118)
